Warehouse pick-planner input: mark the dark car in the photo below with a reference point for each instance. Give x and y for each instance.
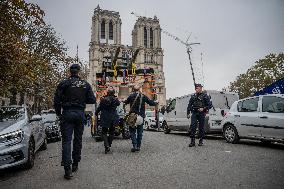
(51, 124)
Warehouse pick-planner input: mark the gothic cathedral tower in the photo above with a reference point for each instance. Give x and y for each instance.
(146, 35)
(106, 39)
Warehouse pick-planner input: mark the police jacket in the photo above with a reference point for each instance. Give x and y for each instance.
(107, 107)
(199, 100)
(73, 93)
(144, 99)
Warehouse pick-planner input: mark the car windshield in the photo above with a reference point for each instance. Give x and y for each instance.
(150, 114)
(223, 101)
(49, 117)
(11, 113)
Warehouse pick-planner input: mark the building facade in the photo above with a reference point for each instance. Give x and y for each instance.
(146, 40)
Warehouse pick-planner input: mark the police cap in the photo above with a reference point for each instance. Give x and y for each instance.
(198, 85)
(75, 67)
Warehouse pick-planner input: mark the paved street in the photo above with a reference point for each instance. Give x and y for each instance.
(165, 161)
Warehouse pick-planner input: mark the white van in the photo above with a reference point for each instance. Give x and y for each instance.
(175, 116)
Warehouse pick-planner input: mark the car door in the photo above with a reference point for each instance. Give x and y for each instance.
(33, 126)
(171, 114)
(182, 120)
(246, 119)
(272, 117)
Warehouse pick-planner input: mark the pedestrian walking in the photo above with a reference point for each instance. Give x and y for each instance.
(137, 102)
(109, 117)
(70, 101)
(198, 105)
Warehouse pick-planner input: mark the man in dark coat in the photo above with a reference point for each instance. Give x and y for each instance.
(72, 95)
(199, 104)
(138, 107)
(109, 117)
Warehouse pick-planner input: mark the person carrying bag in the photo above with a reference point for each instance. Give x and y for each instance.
(135, 119)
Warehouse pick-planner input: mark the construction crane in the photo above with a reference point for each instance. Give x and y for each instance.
(186, 43)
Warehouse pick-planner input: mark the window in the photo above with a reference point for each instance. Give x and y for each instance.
(171, 106)
(145, 37)
(103, 30)
(249, 105)
(151, 38)
(273, 104)
(110, 26)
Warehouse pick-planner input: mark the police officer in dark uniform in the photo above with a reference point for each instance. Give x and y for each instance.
(71, 96)
(109, 117)
(198, 105)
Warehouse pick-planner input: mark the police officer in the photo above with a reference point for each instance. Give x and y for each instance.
(71, 96)
(109, 117)
(198, 105)
(138, 107)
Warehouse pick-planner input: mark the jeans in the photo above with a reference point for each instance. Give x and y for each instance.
(197, 118)
(72, 121)
(136, 136)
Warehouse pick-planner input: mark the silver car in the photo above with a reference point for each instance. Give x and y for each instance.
(259, 117)
(21, 135)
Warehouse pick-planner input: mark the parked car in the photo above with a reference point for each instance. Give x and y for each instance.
(51, 125)
(175, 115)
(260, 118)
(150, 121)
(21, 136)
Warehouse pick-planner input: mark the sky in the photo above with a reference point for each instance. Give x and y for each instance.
(233, 34)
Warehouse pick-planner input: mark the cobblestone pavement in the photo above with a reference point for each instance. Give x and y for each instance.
(164, 162)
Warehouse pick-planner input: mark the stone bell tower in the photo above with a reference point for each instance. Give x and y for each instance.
(106, 27)
(146, 36)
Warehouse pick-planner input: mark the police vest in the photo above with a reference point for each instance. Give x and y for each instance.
(198, 101)
(75, 93)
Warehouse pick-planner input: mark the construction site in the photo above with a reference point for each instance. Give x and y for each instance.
(112, 64)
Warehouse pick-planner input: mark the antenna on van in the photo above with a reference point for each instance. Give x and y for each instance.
(201, 57)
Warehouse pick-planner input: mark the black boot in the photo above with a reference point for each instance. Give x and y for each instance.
(68, 172)
(107, 149)
(192, 142)
(133, 149)
(200, 142)
(109, 141)
(75, 166)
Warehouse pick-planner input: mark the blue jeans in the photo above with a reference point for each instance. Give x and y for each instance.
(72, 122)
(136, 136)
(197, 118)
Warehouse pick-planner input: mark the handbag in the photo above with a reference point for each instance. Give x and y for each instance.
(133, 119)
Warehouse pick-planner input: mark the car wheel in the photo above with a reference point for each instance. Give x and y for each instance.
(31, 155)
(44, 145)
(231, 134)
(166, 128)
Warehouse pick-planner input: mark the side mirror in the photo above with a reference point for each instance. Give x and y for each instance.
(223, 113)
(36, 118)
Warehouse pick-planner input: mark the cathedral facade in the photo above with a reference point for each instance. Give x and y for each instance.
(106, 39)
